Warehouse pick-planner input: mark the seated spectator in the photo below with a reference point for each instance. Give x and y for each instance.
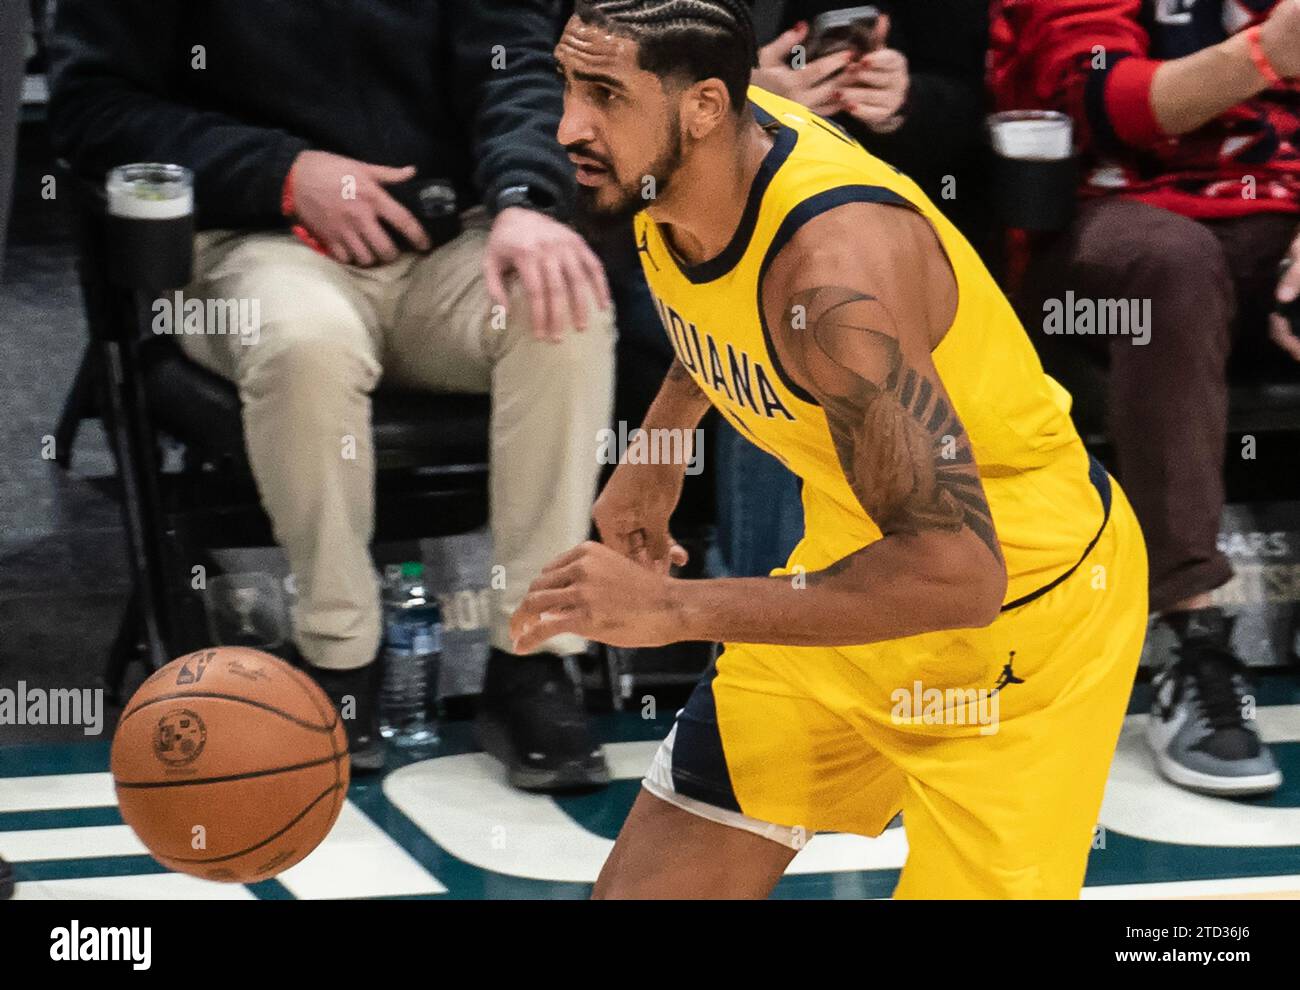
(1187, 117)
(295, 148)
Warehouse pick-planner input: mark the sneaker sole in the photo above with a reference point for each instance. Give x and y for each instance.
(1204, 783)
(572, 776)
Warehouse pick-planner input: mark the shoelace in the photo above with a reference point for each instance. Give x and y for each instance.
(1216, 674)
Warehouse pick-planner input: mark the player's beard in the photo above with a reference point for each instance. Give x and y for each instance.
(598, 221)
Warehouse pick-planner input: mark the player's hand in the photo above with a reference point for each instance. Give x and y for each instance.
(633, 510)
(561, 275)
(813, 84)
(876, 84)
(1280, 39)
(341, 202)
(1288, 288)
(597, 593)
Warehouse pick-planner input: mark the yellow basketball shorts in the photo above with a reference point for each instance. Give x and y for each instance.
(994, 743)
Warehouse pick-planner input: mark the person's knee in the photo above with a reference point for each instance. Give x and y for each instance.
(1158, 283)
(1185, 298)
(1147, 251)
(308, 358)
(587, 349)
(1181, 256)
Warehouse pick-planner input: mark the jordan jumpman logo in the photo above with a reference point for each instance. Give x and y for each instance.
(1008, 676)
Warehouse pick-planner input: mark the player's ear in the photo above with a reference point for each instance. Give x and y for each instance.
(707, 104)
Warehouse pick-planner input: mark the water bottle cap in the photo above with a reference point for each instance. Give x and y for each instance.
(413, 569)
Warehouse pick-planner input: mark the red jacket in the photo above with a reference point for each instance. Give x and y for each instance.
(1044, 54)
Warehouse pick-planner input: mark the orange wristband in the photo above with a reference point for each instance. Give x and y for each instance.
(287, 208)
(286, 195)
(1260, 57)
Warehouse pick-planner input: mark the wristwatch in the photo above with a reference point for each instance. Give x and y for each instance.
(526, 196)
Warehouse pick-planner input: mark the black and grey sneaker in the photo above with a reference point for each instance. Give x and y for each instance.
(361, 687)
(1198, 728)
(530, 719)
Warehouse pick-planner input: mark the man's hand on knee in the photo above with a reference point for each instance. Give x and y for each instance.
(561, 275)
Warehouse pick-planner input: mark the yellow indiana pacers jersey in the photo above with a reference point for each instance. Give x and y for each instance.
(1044, 493)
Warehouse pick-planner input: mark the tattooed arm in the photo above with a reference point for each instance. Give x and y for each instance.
(855, 304)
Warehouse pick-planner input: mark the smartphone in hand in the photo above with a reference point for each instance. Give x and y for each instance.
(846, 28)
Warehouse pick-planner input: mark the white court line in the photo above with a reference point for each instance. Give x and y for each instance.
(358, 859)
(154, 887)
(840, 852)
(56, 792)
(82, 842)
(1142, 804)
(464, 804)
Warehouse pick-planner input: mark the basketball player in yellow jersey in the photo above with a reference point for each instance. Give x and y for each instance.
(955, 637)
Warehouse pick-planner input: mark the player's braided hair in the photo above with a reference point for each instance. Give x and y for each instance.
(702, 39)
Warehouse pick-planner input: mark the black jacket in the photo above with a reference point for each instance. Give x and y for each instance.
(235, 89)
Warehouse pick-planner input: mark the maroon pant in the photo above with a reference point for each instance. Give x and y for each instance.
(1211, 285)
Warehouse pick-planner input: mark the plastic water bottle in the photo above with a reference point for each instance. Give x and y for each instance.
(412, 655)
(459, 566)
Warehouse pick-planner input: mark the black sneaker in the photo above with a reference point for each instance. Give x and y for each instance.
(365, 744)
(1198, 729)
(529, 718)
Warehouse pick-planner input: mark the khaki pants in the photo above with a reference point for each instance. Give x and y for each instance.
(327, 333)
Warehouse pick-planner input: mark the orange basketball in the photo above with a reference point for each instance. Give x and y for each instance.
(230, 765)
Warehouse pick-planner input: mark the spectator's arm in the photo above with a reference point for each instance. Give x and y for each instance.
(112, 102)
(1043, 54)
(513, 111)
(1188, 92)
(1089, 58)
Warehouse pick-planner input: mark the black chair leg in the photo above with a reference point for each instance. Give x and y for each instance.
(79, 405)
(128, 428)
(125, 648)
